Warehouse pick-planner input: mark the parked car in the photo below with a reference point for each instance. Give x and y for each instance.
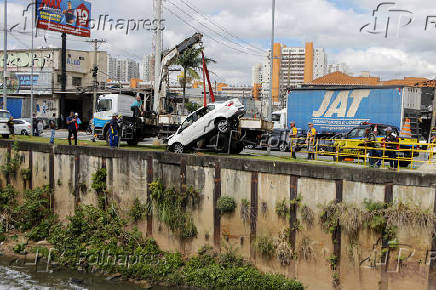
(22, 127)
(215, 117)
(4, 118)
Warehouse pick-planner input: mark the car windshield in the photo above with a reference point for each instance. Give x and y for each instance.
(104, 105)
(276, 117)
(356, 133)
(4, 115)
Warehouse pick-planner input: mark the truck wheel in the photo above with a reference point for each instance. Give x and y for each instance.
(178, 148)
(237, 148)
(6, 136)
(132, 142)
(283, 147)
(223, 126)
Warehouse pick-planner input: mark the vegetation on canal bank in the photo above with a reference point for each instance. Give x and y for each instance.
(97, 240)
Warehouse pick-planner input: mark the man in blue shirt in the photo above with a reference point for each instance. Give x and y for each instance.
(72, 129)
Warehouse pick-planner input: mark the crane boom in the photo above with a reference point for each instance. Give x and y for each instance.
(167, 57)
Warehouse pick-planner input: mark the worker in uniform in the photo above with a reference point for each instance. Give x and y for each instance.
(113, 131)
(371, 142)
(310, 141)
(137, 107)
(293, 139)
(392, 145)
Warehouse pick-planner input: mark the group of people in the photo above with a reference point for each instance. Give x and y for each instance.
(390, 142)
(310, 140)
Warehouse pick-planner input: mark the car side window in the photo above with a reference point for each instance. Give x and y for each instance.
(18, 122)
(187, 123)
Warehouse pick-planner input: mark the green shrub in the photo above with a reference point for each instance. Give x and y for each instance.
(171, 208)
(282, 208)
(226, 204)
(266, 246)
(140, 210)
(34, 209)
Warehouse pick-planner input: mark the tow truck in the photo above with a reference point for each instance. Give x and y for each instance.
(134, 128)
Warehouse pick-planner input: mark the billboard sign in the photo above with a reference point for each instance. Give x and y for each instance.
(20, 83)
(69, 16)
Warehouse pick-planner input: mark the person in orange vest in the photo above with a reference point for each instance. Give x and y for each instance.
(310, 141)
(293, 139)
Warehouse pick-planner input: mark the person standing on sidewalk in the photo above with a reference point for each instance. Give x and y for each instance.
(113, 131)
(52, 126)
(371, 142)
(72, 129)
(310, 141)
(392, 145)
(293, 139)
(11, 125)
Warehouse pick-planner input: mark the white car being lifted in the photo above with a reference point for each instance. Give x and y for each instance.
(4, 118)
(207, 126)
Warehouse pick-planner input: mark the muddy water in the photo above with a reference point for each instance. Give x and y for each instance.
(13, 276)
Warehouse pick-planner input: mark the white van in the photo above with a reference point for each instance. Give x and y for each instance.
(4, 118)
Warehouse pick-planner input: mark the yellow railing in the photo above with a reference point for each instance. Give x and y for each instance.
(397, 154)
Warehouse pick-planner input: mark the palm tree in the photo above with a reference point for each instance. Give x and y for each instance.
(191, 62)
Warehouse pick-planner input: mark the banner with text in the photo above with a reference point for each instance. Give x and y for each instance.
(69, 16)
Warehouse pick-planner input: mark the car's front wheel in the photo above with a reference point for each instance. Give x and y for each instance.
(223, 126)
(178, 148)
(23, 132)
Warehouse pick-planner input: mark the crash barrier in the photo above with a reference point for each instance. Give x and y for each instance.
(369, 154)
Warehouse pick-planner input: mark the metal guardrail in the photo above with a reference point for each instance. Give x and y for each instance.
(404, 155)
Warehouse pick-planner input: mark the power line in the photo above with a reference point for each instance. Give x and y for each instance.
(219, 26)
(210, 29)
(208, 36)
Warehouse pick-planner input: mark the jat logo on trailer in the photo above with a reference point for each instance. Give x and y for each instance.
(339, 106)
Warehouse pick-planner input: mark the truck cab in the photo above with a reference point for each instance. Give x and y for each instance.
(107, 105)
(279, 119)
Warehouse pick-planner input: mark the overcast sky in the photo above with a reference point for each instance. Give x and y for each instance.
(237, 32)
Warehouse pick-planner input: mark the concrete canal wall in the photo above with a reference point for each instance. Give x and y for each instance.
(361, 264)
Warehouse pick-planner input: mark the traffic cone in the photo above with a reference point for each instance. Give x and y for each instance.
(405, 131)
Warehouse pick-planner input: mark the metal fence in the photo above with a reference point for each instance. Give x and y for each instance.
(368, 153)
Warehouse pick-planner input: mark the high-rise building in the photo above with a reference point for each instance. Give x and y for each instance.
(122, 70)
(292, 66)
(256, 74)
(112, 67)
(338, 67)
(147, 68)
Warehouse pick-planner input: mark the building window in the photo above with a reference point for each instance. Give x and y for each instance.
(77, 82)
(59, 78)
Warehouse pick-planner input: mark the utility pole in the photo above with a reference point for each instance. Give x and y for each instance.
(5, 56)
(157, 54)
(31, 76)
(269, 117)
(96, 42)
